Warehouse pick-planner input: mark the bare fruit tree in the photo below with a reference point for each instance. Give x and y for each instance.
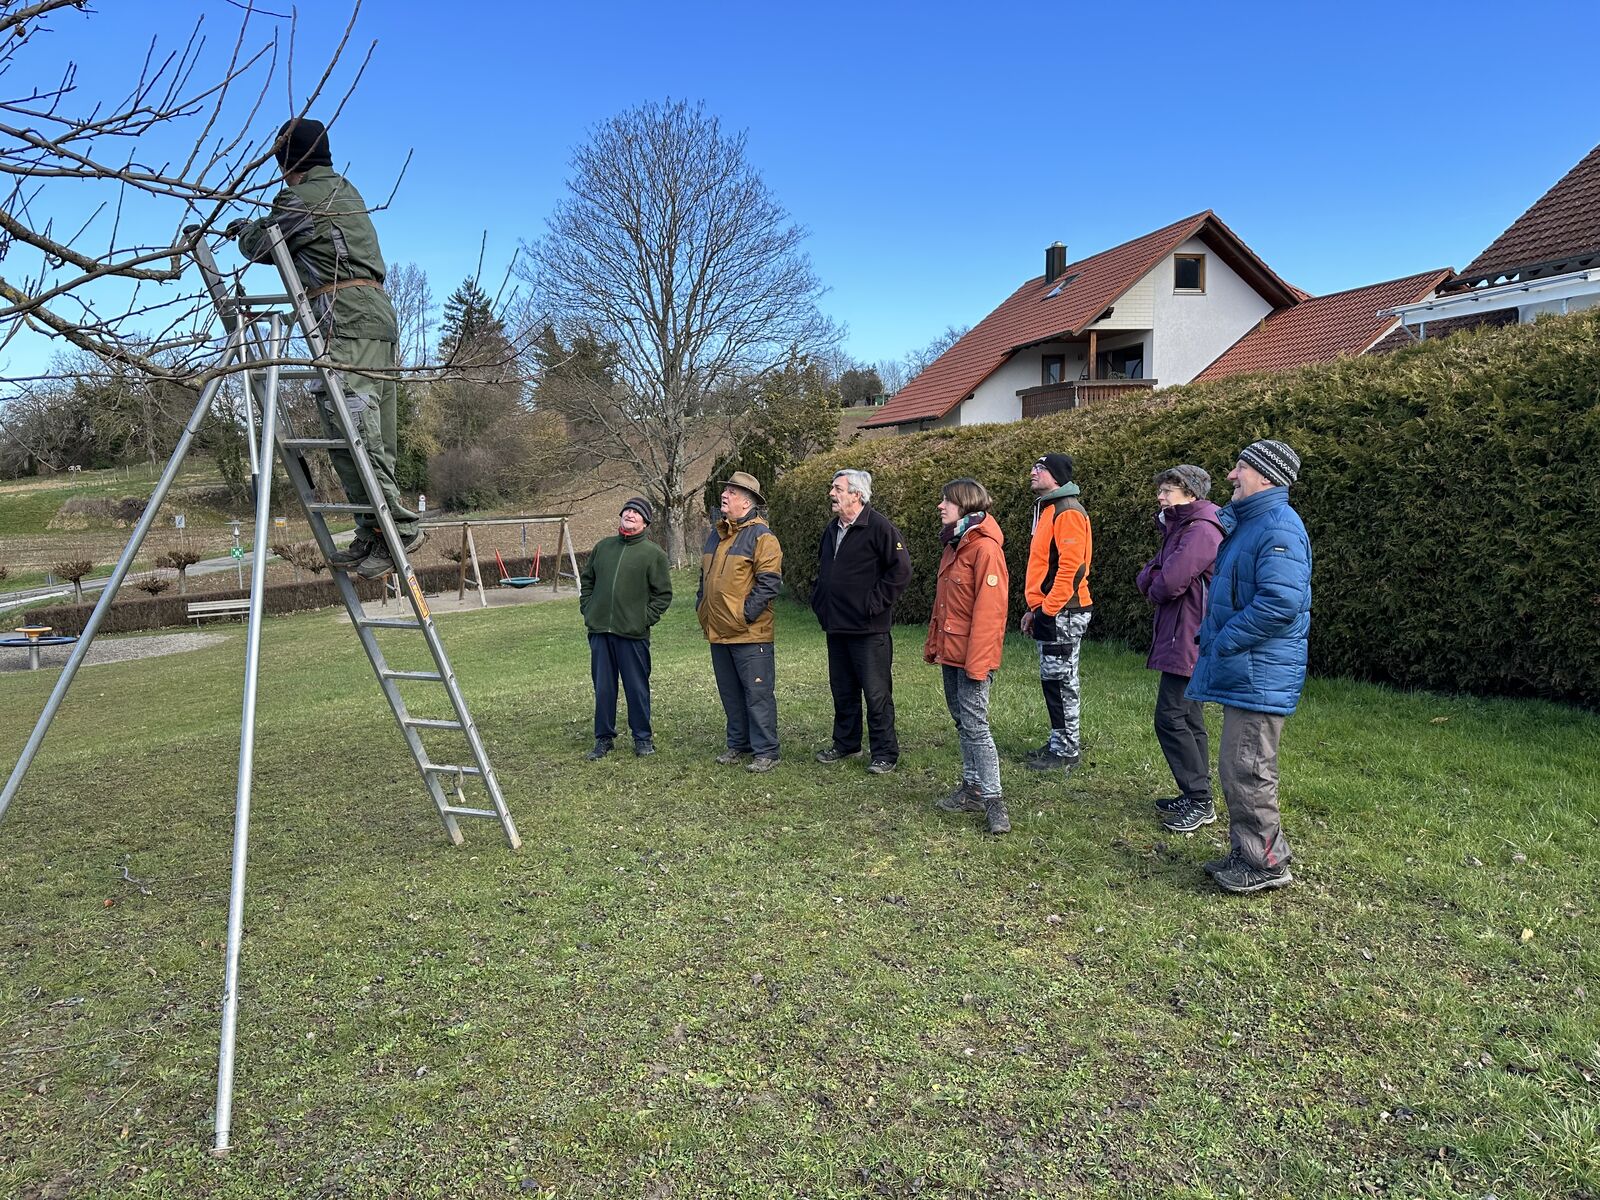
(669, 252)
(109, 182)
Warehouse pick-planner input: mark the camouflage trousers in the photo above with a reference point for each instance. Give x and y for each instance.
(1058, 639)
(372, 400)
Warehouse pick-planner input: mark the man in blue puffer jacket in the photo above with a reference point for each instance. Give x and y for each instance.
(1253, 657)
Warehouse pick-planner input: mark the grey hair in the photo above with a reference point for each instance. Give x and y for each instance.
(859, 482)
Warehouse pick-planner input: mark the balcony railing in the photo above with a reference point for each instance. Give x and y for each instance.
(1058, 397)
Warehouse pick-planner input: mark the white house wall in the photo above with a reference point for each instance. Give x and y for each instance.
(996, 397)
(1135, 309)
(1191, 329)
(1528, 313)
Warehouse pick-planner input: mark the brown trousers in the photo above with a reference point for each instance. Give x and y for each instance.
(1247, 765)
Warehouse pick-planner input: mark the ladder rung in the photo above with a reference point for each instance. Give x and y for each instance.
(387, 623)
(431, 723)
(299, 373)
(424, 676)
(315, 443)
(321, 507)
(445, 769)
(454, 811)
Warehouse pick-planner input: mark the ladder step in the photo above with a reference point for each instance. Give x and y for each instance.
(454, 811)
(387, 623)
(299, 373)
(423, 676)
(445, 769)
(321, 507)
(432, 723)
(316, 444)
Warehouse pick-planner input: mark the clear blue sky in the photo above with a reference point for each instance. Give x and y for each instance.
(933, 150)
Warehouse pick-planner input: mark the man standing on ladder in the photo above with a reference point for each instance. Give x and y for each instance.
(325, 222)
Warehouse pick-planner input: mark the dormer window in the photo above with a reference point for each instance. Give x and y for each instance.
(1189, 272)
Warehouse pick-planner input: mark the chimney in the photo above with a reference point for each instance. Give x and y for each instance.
(1055, 261)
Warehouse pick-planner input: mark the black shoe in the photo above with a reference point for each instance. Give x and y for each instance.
(994, 808)
(644, 747)
(880, 766)
(1171, 804)
(1036, 752)
(380, 562)
(833, 754)
(1191, 816)
(1226, 862)
(761, 764)
(602, 747)
(729, 757)
(1051, 761)
(963, 799)
(360, 546)
(1242, 878)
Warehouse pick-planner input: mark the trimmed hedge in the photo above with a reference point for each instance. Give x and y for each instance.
(161, 612)
(1449, 490)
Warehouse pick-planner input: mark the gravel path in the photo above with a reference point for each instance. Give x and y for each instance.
(109, 649)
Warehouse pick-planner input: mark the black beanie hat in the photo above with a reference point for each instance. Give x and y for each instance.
(1059, 466)
(639, 505)
(302, 143)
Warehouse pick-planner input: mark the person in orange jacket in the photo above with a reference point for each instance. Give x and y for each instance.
(965, 637)
(1059, 607)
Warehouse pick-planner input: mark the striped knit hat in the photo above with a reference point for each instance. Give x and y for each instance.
(1279, 464)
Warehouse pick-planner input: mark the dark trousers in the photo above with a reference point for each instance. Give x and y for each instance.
(610, 658)
(1247, 766)
(1181, 731)
(744, 682)
(863, 664)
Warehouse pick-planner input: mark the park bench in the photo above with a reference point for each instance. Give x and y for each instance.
(237, 607)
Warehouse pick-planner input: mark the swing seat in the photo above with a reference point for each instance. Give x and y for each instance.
(518, 581)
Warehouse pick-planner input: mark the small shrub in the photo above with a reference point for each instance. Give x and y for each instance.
(73, 569)
(154, 585)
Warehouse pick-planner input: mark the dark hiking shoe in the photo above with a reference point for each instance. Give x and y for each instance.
(1243, 879)
(1226, 862)
(880, 766)
(728, 757)
(963, 799)
(761, 764)
(1171, 804)
(644, 748)
(1050, 761)
(360, 546)
(380, 562)
(602, 747)
(833, 754)
(1036, 752)
(994, 808)
(1191, 816)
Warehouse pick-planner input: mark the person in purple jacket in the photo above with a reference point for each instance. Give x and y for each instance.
(1175, 582)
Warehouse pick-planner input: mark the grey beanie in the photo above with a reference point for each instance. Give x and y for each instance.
(1192, 479)
(1276, 462)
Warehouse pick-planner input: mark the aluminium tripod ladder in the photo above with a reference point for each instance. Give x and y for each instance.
(257, 333)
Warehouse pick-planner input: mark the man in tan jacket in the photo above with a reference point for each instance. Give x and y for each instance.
(741, 570)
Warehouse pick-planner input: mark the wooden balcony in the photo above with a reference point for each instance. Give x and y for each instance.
(1058, 397)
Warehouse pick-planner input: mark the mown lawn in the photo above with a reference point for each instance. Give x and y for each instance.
(694, 982)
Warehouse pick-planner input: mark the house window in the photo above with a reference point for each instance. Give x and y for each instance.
(1125, 362)
(1188, 272)
(1052, 369)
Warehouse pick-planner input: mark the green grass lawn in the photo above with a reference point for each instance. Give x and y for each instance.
(695, 982)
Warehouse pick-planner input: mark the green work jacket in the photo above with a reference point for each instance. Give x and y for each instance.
(625, 586)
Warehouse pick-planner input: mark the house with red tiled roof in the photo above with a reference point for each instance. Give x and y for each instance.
(1548, 261)
(1323, 328)
(1154, 311)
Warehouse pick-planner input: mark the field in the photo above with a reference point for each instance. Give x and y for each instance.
(695, 982)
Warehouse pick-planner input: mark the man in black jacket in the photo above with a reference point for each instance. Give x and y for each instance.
(862, 567)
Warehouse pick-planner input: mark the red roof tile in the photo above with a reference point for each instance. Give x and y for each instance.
(1323, 327)
(1561, 232)
(1037, 312)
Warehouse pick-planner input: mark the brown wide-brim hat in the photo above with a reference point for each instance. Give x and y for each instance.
(747, 481)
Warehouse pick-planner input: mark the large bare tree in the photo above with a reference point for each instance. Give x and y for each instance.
(108, 182)
(669, 251)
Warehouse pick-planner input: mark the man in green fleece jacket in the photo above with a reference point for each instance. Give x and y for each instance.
(625, 589)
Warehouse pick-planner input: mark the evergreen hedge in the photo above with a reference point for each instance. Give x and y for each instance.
(1449, 489)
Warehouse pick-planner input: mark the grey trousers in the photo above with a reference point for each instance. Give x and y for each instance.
(1247, 766)
(372, 400)
(1181, 731)
(968, 703)
(1059, 638)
